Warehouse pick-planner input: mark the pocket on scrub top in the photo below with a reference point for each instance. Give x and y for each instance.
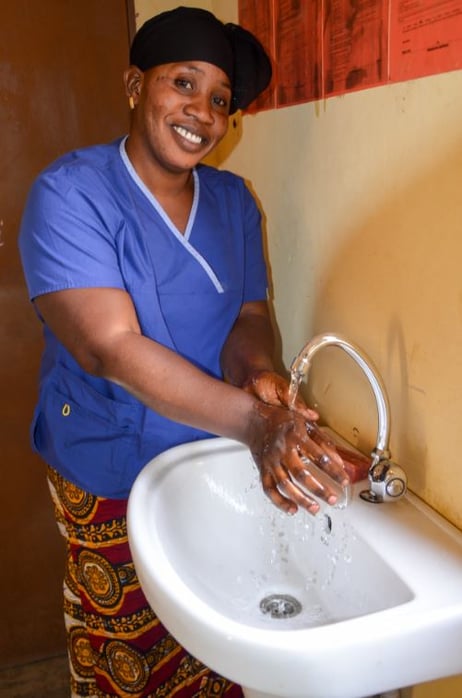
(78, 430)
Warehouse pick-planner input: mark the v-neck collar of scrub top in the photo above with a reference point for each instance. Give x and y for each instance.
(183, 238)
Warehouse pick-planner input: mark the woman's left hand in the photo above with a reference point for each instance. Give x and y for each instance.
(272, 389)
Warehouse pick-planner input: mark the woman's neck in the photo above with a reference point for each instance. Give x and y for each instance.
(173, 189)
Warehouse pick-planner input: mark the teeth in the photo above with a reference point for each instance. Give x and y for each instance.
(191, 137)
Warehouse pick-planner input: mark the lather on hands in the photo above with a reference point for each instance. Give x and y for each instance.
(290, 435)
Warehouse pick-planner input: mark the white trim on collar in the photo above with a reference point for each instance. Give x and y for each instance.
(183, 239)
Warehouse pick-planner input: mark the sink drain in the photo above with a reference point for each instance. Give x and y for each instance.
(280, 606)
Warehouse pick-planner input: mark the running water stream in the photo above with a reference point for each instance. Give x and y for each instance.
(295, 380)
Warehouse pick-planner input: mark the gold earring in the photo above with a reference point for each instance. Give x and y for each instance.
(131, 102)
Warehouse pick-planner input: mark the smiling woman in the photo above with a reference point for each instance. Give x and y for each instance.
(147, 271)
(180, 113)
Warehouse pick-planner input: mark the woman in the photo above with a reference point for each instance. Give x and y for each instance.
(146, 270)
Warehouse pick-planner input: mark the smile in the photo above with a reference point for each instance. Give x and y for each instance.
(191, 137)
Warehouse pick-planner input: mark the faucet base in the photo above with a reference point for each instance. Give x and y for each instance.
(370, 496)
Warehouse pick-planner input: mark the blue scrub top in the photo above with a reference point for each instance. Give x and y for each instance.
(91, 222)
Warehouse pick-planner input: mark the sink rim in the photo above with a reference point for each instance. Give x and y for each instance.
(222, 634)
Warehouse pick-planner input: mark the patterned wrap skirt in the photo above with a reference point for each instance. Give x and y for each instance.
(116, 644)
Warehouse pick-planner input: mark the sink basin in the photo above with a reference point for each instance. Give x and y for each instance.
(350, 603)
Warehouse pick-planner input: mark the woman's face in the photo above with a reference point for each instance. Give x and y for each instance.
(181, 112)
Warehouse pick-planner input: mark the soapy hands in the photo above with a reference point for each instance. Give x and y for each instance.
(272, 389)
(290, 443)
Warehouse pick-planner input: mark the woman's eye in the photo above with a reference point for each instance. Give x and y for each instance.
(183, 83)
(220, 101)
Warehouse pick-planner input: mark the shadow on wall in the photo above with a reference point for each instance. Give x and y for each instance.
(394, 287)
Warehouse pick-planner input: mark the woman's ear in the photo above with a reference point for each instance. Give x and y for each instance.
(133, 81)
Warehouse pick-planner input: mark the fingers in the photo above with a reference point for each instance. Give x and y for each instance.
(295, 481)
(302, 408)
(309, 477)
(273, 389)
(298, 463)
(333, 466)
(326, 455)
(286, 495)
(297, 405)
(264, 386)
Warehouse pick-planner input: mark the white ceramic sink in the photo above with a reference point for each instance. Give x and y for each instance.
(380, 585)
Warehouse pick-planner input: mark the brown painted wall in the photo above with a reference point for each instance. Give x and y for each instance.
(61, 65)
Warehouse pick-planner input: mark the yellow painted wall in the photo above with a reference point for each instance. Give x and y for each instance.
(363, 202)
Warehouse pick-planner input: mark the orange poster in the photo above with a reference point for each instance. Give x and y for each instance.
(298, 51)
(355, 54)
(425, 37)
(322, 48)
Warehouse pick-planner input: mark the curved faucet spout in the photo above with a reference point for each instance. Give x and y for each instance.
(387, 480)
(300, 367)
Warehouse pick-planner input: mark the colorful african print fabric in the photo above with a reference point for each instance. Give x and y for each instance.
(116, 644)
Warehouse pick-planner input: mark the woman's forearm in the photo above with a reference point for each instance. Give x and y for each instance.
(175, 388)
(100, 329)
(250, 345)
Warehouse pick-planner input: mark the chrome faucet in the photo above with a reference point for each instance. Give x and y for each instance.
(387, 480)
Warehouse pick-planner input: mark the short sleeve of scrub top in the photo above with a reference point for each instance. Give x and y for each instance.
(67, 241)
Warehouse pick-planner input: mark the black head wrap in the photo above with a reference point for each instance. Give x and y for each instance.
(193, 34)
